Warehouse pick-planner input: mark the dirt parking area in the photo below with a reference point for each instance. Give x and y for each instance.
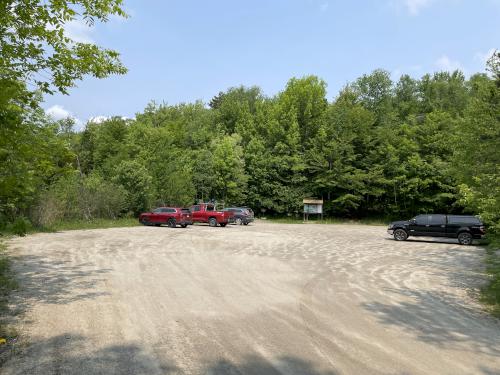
(263, 299)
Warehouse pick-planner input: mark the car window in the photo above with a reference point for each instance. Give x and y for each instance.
(196, 208)
(171, 210)
(157, 210)
(463, 220)
(185, 210)
(422, 219)
(437, 219)
(210, 208)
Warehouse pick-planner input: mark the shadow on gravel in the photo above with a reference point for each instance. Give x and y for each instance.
(254, 365)
(71, 354)
(436, 240)
(440, 319)
(54, 281)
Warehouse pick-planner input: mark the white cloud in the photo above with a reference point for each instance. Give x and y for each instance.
(414, 6)
(79, 31)
(58, 112)
(444, 63)
(484, 57)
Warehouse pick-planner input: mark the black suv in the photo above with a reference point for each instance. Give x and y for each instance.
(242, 215)
(463, 227)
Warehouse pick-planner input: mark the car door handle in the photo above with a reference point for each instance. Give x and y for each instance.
(427, 225)
(442, 226)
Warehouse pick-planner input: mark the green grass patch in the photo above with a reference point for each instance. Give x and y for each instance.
(93, 224)
(7, 284)
(291, 220)
(16, 230)
(490, 294)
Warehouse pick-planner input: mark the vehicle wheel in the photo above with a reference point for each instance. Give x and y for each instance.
(171, 223)
(212, 222)
(145, 221)
(400, 235)
(465, 238)
(246, 223)
(238, 221)
(184, 225)
(223, 224)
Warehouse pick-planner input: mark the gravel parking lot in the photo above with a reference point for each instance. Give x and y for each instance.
(263, 299)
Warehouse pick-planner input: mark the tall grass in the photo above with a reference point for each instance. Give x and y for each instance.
(71, 225)
(7, 284)
(490, 294)
(92, 224)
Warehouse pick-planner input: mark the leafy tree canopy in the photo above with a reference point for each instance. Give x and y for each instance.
(35, 48)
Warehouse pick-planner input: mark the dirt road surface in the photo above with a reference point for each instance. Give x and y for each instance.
(263, 299)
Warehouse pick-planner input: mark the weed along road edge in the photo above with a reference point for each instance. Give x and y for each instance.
(262, 299)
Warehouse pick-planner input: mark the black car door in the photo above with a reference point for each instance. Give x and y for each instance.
(419, 226)
(437, 225)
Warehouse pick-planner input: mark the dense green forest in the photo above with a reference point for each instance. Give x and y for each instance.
(377, 149)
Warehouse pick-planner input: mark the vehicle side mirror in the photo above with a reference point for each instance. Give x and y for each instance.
(413, 221)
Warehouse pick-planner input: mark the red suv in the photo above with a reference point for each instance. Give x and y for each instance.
(172, 216)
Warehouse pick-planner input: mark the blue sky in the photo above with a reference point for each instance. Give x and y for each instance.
(181, 51)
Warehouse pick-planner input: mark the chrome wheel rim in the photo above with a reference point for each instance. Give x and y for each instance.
(400, 236)
(465, 239)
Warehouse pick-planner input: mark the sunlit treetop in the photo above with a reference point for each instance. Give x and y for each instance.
(35, 49)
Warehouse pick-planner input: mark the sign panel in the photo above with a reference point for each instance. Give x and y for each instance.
(313, 208)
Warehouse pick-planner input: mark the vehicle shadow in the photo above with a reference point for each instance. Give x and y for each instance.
(75, 355)
(449, 241)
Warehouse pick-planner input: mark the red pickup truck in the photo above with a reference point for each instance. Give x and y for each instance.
(206, 213)
(167, 215)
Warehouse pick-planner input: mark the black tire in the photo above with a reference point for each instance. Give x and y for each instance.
(171, 223)
(246, 223)
(400, 235)
(145, 221)
(223, 224)
(238, 221)
(212, 222)
(184, 225)
(465, 238)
